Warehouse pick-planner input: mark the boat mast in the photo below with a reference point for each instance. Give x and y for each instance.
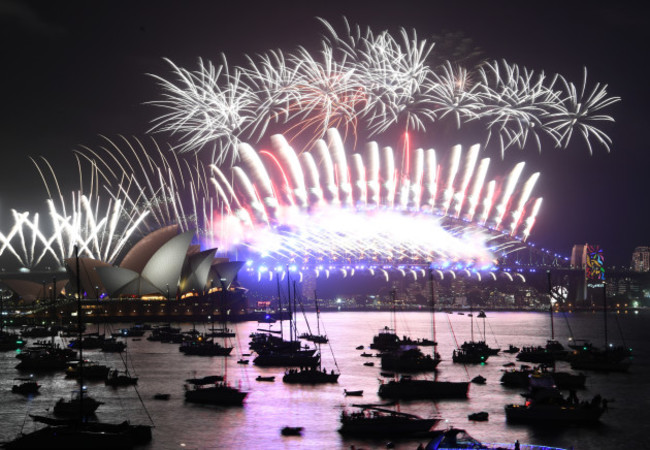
(394, 318)
(277, 281)
(605, 311)
(433, 311)
(550, 293)
(79, 323)
(317, 314)
(290, 310)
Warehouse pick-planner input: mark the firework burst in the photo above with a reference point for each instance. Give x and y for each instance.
(373, 82)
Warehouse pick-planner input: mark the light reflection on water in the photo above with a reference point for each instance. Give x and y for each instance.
(270, 406)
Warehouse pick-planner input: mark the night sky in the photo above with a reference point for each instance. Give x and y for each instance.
(74, 70)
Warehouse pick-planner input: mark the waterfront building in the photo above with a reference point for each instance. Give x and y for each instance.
(641, 259)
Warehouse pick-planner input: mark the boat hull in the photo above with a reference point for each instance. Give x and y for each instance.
(423, 389)
(553, 414)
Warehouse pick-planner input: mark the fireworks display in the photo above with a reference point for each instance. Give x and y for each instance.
(314, 194)
(373, 83)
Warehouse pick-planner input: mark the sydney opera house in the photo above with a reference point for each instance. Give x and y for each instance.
(163, 276)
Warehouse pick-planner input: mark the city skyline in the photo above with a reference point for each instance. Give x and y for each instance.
(572, 183)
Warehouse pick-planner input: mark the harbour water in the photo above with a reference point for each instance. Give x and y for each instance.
(161, 368)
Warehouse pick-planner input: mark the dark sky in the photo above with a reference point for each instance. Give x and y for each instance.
(72, 70)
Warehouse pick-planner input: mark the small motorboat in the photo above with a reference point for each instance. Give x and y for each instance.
(479, 416)
(512, 349)
(291, 431)
(28, 386)
(160, 396)
(367, 355)
(479, 379)
(242, 361)
(360, 347)
(261, 378)
(352, 393)
(369, 364)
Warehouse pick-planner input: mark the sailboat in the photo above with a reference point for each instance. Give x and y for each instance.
(311, 375)
(200, 346)
(274, 351)
(474, 352)
(116, 378)
(407, 388)
(78, 432)
(405, 356)
(611, 359)
(214, 389)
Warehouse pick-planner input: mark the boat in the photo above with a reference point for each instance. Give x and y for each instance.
(89, 341)
(474, 352)
(479, 379)
(313, 374)
(456, 438)
(242, 361)
(214, 389)
(512, 349)
(209, 379)
(547, 354)
(261, 378)
(369, 364)
(91, 370)
(478, 416)
(545, 404)
(353, 393)
(409, 359)
(360, 347)
(310, 375)
(160, 396)
(219, 393)
(563, 380)
(76, 432)
(315, 338)
(116, 378)
(221, 332)
(44, 359)
(275, 351)
(112, 345)
(26, 387)
(203, 347)
(80, 405)
(407, 388)
(291, 431)
(380, 421)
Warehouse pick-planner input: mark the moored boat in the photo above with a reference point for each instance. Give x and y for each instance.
(28, 386)
(545, 404)
(379, 420)
(219, 393)
(407, 388)
(455, 438)
(311, 375)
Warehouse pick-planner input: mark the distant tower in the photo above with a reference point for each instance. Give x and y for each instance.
(589, 257)
(641, 259)
(579, 256)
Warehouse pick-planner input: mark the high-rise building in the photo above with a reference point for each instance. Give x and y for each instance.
(579, 256)
(641, 259)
